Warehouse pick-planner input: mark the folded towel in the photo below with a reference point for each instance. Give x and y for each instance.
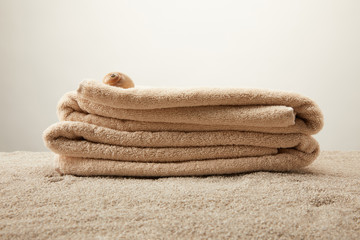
(106, 130)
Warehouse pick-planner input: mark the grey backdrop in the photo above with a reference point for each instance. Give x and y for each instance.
(48, 47)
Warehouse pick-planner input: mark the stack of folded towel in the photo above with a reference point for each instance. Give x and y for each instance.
(106, 130)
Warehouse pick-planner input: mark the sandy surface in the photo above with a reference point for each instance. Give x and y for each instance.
(321, 201)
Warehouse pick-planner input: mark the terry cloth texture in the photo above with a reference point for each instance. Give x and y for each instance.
(106, 130)
(320, 201)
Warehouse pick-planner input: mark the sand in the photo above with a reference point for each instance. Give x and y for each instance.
(321, 201)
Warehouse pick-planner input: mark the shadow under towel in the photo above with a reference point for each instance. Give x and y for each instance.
(105, 130)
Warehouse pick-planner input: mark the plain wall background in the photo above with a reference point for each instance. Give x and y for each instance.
(48, 47)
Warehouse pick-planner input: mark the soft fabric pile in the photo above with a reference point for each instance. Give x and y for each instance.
(105, 130)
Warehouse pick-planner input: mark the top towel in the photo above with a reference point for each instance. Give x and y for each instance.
(196, 109)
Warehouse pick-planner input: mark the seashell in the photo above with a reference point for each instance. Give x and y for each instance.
(118, 79)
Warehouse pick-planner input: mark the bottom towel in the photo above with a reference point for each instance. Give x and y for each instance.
(88, 150)
(287, 160)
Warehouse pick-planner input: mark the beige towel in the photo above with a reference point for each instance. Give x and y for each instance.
(106, 130)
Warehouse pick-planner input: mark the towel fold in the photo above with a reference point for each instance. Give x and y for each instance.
(106, 130)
